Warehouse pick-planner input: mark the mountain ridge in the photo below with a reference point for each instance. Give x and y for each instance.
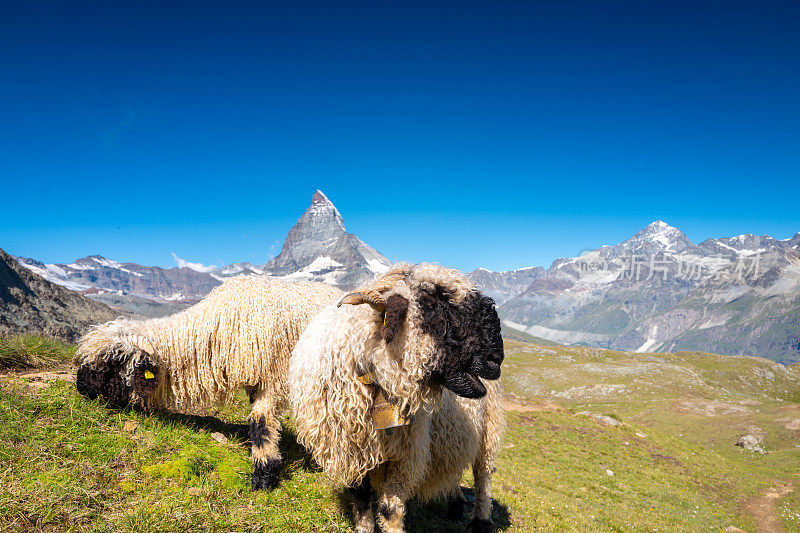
(657, 291)
(317, 248)
(31, 304)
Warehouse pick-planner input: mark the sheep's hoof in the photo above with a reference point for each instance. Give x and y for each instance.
(265, 474)
(480, 526)
(455, 510)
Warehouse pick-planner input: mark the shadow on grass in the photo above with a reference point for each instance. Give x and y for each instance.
(420, 517)
(425, 517)
(295, 457)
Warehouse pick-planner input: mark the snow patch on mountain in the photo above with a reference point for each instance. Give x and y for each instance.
(650, 342)
(377, 266)
(53, 274)
(557, 335)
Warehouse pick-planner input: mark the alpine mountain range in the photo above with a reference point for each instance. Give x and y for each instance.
(655, 292)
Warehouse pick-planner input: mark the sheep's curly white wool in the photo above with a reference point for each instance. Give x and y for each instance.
(240, 336)
(332, 408)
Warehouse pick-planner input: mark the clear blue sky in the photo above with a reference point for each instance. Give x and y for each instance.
(496, 134)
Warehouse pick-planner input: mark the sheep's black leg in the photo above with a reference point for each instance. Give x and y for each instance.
(362, 507)
(482, 514)
(264, 437)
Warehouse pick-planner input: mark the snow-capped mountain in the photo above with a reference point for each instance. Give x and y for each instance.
(504, 285)
(657, 291)
(653, 238)
(319, 248)
(96, 274)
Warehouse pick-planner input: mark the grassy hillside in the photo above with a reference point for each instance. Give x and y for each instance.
(67, 463)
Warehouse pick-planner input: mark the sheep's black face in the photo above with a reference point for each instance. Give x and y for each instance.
(103, 380)
(106, 378)
(467, 336)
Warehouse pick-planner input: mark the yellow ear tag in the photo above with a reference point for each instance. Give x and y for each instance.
(148, 374)
(384, 318)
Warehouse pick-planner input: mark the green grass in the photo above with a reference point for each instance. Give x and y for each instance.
(658, 482)
(32, 351)
(70, 464)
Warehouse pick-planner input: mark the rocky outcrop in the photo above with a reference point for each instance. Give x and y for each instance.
(31, 304)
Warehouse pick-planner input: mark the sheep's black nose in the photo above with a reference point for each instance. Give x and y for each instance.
(490, 370)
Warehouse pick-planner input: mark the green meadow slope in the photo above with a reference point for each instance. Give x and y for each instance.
(67, 463)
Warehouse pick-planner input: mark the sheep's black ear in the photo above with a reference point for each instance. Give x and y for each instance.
(394, 315)
(145, 377)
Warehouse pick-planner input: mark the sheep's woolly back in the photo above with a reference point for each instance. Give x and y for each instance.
(240, 335)
(332, 408)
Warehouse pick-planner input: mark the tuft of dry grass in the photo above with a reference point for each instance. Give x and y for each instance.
(33, 351)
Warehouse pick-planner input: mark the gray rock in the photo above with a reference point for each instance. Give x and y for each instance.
(750, 442)
(219, 437)
(602, 419)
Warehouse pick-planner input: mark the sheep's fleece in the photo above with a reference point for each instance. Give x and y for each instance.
(240, 336)
(432, 342)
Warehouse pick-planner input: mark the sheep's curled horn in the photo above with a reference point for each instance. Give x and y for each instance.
(393, 309)
(365, 296)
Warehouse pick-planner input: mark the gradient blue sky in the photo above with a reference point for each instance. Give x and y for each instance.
(496, 134)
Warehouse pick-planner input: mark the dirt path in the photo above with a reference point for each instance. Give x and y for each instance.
(763, 508)
(50, 375)
(37, 380)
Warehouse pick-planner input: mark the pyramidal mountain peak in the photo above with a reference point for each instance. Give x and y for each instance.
(319, 248)
(322, 211)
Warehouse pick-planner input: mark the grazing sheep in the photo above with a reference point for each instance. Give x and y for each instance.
(430, 343)
(240, 336)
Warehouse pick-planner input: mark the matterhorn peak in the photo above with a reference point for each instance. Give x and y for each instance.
(318, 247)
(319, 198)
(322, 213)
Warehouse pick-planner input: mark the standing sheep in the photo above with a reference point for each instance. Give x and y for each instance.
(240, 336)
(430, 344)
